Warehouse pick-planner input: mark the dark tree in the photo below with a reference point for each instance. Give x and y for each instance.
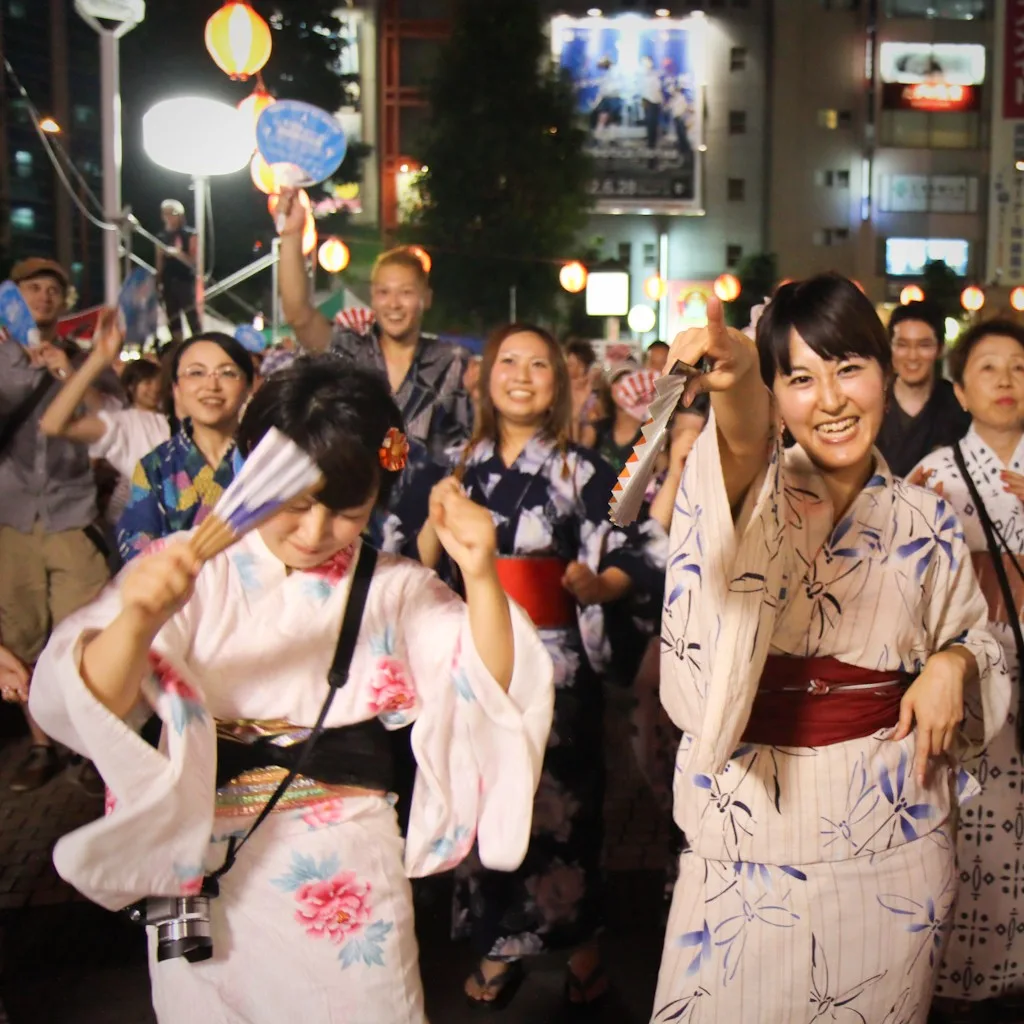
(505, 196)
(942, 288)
(758, 275)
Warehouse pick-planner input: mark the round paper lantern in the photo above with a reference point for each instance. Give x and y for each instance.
(912, 293)
(1017, 299)
(972, 298)
(238, 40)
(642, 319)
(573, 277)
(334, 256)
(423, 256)
(274, 199)
(309, 238)
(255, 103)
(262, 174)
(655, 288)
(727, 287)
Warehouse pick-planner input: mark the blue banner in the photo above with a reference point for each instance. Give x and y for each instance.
(304, 144)
(16, 317)
(138, 306)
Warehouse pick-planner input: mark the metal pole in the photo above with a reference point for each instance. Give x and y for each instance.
(200, 185)
(110, 106)
(512, 304)
(275, 309)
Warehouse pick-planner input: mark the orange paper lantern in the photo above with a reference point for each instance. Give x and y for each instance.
(256, 102)
(727, 287)
(655, 288)
(972, 298)
(274, 200)
(238, 39)
(309, 238)
(912, 293)
(1017, 299)
(334, 256)
(262, 175)
(573, 277)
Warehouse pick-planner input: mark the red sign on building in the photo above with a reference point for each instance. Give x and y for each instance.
(1013, 61)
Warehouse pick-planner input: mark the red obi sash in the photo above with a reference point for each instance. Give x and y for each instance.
(536, 585)
(815, 702)
(988, 580)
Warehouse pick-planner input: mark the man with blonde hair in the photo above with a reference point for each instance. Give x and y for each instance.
(425, 373)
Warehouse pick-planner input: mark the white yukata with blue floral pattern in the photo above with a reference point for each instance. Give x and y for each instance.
(819, 882)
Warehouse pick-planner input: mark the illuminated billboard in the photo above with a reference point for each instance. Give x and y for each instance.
(640, 94)
(931, 77)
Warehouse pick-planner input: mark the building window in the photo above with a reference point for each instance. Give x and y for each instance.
(23, 163)
(828, 118)
(840, 5)
(919, 129)
(650, 254)
(85, 116)
(16, 8)
(23, 218)
(733, 255)
(842, 179)
(831, 236)
(737, 122)
(823, 179)
(958, 10)
(738, 58)
(845, 118)
(736, 189)
(625, 253)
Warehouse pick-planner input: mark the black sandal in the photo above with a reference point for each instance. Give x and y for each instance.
(505, 985)
(575, 985)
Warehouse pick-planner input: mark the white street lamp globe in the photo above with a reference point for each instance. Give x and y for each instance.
(642, 319)
(198, 136)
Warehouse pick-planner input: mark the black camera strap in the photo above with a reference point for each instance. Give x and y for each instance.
(995, 550)
(337, 677)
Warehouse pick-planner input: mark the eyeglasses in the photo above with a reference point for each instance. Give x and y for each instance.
(194, 374)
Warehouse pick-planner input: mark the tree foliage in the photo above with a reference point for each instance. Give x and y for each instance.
(942, 287)
(505, 194)
(758, 274)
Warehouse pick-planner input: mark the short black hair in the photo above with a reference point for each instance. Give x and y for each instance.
(655, 345)
(231, 347)
(339, 414)
(832, 315)
(925, 312)
(961, 351)
(582, 350)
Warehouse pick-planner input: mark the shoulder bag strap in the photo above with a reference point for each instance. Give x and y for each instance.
(995, 551)
(22, 411)
(337, 677)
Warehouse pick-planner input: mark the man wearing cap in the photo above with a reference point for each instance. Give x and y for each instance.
(49, 565)
(175, 269)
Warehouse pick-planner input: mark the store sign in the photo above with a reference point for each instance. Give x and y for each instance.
(687, 305)
(921, 193)
(907, 257)
(932, 63)
(933, 97)
(639, 85)
(1013, 60)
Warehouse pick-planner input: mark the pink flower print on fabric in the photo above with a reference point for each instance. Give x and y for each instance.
(186, 706)
(392, 691)
(323, 814)
(190, 878)
(335, 569)
(334, 908)
(109, 803)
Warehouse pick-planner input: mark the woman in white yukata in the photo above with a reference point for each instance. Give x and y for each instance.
(985, 958)
(822, 629)
(314, 921)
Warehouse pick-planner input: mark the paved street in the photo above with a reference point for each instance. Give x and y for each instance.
(69, 962)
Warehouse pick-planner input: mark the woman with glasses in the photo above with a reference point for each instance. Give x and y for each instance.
(176, 485)
(982, 479)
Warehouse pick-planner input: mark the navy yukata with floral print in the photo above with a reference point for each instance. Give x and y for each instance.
(555, 504)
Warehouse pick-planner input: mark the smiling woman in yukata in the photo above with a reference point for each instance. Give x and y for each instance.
(822, 629)
(314, 922)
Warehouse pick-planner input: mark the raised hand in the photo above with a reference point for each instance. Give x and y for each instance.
(108, 337)
(731, 353)
(290, 215)
(464, 528)
(160, 584)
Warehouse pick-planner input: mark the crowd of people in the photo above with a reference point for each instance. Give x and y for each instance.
(822, 585)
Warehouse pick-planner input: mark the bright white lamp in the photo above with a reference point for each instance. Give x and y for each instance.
(642, 319)
(203, 138)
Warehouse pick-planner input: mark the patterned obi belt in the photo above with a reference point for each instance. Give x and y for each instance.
(535, 584)
(254, 756)
(815, 702)
(988, 580)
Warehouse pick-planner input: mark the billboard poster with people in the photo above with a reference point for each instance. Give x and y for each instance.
(639, 91)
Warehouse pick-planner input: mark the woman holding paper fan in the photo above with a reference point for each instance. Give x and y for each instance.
(175, 486)
(564, 562)
(313, 920)
(823, 631)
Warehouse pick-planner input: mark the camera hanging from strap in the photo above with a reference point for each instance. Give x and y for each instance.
(995, 550)
(337, 677)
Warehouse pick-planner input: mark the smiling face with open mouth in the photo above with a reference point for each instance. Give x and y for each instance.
(832, 407)
(522, 383)
(211, 388)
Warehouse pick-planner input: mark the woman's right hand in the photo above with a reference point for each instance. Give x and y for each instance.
(160, 584)
(108, 337)
(731, 353)
(290, 216)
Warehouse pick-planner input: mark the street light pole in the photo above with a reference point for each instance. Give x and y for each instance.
(111, 19)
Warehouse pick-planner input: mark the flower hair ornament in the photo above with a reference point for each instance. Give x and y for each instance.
(394, 450)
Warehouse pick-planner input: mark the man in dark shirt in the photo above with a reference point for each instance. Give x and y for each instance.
(922, 412)
(175, 269)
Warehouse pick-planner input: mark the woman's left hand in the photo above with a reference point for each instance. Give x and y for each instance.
(583, 583)
(934, 707)
(14, 678)
(464, 528)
